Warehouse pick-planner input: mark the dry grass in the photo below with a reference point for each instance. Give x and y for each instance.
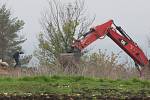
(95, 65)
(99, 65)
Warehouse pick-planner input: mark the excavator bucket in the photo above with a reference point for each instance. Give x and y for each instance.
(69, 61)
(68, 58)
(71, 57)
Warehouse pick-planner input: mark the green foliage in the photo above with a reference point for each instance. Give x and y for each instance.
(9, 38)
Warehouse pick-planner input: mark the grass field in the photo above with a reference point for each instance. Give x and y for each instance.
(75, 86)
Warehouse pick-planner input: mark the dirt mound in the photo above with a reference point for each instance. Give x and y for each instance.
(3, 72)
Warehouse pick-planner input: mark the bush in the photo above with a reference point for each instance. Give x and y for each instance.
(100, 65)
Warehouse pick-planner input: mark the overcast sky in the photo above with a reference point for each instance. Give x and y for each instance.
(132, 15)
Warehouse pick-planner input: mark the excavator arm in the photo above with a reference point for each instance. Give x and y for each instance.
(118, 35)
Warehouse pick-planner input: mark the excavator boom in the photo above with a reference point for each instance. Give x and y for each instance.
(118, 35)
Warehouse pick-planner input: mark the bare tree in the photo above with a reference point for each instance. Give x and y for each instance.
(61, 24)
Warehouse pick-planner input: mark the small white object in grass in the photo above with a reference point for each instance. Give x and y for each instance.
(3, 63)
(29, 94)
(5, 93)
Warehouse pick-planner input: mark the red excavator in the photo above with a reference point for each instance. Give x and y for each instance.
(118, 35)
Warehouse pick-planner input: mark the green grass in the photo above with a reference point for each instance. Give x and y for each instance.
(74, 85)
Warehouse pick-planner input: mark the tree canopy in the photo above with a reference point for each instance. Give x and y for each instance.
(61, 24)
(10, 39)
